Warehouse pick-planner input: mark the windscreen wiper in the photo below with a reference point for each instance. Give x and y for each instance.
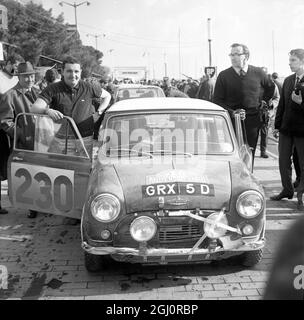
(173, 152)
(138, 152)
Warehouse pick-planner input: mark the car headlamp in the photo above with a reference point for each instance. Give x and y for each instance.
(214, 231)
(250, 204)
(143, 229)
(105, 208)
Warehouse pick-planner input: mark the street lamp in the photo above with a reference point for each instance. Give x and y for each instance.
(75, 5)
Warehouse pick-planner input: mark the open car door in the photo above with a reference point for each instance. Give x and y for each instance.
(245, 150)
(49, 166)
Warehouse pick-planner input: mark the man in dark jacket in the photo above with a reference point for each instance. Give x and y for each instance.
(241, 89)
(289, 122)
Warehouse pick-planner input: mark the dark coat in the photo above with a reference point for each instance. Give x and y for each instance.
(205, 90)
(4, 154)
(290, 115)
(12, 103)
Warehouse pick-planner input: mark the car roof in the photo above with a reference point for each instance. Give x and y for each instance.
(149, 104)
(135, 86)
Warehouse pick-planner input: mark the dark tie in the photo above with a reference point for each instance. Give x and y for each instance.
(30, 96)
(297, 81)
(296, 90)
(242, 74)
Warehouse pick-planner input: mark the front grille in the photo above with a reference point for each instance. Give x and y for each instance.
(179, 233)
(172, 232)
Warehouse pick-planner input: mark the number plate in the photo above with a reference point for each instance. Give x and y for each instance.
(43, 189)
(178, 188)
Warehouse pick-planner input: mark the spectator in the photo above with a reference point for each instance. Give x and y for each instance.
(171, 91)
(240, 89)
(17, 100)
(267, 118)
(7, 81)
(52, 76)
(273, 106)
(289, 126)
(192, 90)
(8, 78)
(275, 78)
(205, 89)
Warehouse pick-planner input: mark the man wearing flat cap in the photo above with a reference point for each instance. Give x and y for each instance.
(18, 100)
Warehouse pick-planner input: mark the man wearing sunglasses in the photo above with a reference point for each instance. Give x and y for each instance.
(241, 89)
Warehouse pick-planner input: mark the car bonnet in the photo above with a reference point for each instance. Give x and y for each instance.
(195, 183)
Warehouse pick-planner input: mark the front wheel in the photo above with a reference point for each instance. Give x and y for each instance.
(95, 263)
(251, 258)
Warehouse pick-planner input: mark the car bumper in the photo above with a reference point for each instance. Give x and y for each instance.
(235, 246)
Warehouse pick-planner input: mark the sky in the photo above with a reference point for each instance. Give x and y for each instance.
(146, 32)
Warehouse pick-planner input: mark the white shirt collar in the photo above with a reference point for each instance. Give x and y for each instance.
(238, 70)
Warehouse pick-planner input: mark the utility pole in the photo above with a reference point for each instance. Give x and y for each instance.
(75, 5)
(179, 54)
(165, 62)
(153, 70)
(273, 53)
(209, 40)
(96, 36)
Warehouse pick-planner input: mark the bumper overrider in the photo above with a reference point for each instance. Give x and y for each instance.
(229, 244)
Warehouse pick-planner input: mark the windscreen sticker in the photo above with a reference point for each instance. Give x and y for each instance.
(176, 176)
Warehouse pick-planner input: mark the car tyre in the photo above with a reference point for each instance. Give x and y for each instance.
(95, 263)
(251, 258)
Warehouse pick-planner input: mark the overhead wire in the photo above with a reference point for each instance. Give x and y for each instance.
(183, 44)
(136, 37)
(144, 46)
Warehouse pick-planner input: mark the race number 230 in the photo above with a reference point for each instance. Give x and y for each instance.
(46, 189)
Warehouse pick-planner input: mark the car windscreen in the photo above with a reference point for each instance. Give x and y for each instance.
(134, 93)
(165, 134)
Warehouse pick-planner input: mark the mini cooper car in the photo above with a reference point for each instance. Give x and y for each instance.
(170, 182)
(135, 91)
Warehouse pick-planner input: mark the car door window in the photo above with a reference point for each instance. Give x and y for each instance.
(40, 134)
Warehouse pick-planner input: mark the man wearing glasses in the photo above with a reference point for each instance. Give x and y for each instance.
(241, 89)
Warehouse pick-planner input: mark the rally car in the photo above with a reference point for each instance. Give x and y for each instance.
(135, 91)
(170, 182)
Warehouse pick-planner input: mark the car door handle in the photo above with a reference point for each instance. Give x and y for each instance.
(17, 159)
